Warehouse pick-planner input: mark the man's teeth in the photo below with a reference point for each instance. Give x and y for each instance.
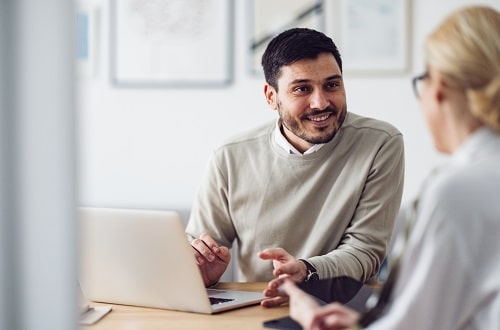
(325, 117)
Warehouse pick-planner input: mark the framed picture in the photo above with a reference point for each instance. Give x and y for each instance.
(269, 18)
(375, 36)
(171, 43)
(87, 41)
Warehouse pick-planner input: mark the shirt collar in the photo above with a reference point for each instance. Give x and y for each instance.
(483, 142)
(287, 146)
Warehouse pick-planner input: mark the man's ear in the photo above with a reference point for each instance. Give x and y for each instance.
(271, 96)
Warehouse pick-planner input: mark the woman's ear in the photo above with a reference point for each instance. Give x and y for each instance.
(440, 88)
(270, 94)
(440, 94)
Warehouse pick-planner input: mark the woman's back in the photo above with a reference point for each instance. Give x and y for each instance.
(450, 276)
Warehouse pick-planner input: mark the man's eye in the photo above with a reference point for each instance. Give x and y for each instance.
(301, 89)
(333, 84)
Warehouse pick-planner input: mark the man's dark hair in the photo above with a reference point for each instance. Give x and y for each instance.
(294, 45)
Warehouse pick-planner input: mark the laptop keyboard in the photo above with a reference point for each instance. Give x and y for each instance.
(215, 301)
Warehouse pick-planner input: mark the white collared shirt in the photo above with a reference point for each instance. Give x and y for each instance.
(288, 147)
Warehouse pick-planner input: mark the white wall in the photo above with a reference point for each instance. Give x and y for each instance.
(148, 148)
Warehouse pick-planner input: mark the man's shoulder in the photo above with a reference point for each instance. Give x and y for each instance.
(359, 122)
(253, 135)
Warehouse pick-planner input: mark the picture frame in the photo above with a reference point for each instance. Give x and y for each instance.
(171, 43)
(375, 36)
(269, 18)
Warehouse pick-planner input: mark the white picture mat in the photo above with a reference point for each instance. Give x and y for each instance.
(178, 42)
(374, 35)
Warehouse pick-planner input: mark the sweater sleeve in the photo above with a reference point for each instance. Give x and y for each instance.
(366, 239)
(210, 211)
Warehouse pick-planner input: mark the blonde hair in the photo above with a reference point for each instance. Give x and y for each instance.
(465, 49)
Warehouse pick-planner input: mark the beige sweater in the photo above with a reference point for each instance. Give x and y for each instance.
(335, 207)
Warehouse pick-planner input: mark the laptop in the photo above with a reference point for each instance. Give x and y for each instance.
(143, 258)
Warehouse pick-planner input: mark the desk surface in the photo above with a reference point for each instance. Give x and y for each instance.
(128, 317)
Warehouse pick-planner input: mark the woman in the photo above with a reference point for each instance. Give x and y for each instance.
(449, 275)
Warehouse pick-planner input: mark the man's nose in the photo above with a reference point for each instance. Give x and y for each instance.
(318, 100)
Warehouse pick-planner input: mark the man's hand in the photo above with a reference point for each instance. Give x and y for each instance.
(306, 311)
(285, 266)
(211, 258)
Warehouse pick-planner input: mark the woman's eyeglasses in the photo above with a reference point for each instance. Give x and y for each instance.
(417, 83)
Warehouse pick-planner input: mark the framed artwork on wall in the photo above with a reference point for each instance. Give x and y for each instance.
(171, 43)
(375, 36)
(269, 18)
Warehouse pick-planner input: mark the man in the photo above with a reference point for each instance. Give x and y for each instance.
(320, 183)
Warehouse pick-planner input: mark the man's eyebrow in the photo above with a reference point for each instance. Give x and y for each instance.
(303, 81)
(299, 81)
(336, 76)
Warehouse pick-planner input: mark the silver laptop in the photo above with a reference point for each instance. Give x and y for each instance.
(143, 258)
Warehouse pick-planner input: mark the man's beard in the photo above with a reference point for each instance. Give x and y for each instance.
(323, 137)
